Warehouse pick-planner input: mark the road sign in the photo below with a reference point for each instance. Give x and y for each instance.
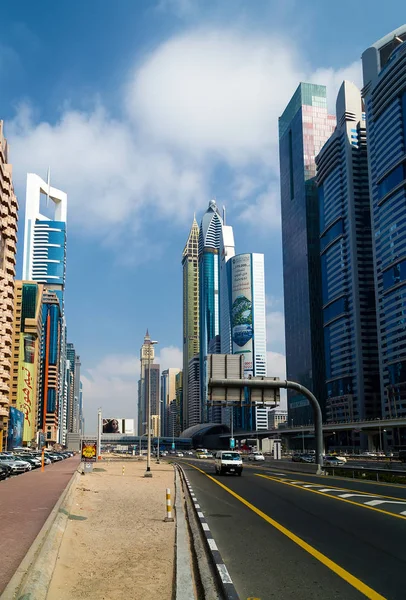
(232, 443)
(173, 445)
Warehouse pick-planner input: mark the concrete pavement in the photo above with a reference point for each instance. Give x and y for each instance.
(280, 539)
(25, 502)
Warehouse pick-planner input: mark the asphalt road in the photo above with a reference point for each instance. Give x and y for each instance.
(299, 536)
(26, 501)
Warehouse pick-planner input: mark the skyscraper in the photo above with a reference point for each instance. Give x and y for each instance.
(8, 247)
(349, 316)
(304, 127)
(248, 327)
(26, 358)
(44, 257)
(168, 393)
(194, 410)
(190, 263)
(209, 291)
(384, 71)
(147, 355)
(73, 422)
(227, 251)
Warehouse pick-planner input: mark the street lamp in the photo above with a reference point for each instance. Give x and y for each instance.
(159, 430)
(149, 352)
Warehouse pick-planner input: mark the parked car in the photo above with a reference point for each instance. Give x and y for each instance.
(5, 471)
(17, 466)
(228, 462)
(33, 460)
(296, 458)
(26, 461)
(257, 456)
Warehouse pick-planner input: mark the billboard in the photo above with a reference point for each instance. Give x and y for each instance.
(89, 451)
(15, 428)
(242, 331)
(26, 385)
(120, 426)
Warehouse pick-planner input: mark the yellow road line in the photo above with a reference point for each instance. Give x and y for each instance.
(345, 575)
(327, 484)
(327, 495)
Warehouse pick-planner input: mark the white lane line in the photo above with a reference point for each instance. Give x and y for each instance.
(358, 496)
(310, 485)
(205, 527)
(377, 502)
(212, 544)
(224, 574)
(328, 490)
(403, 513)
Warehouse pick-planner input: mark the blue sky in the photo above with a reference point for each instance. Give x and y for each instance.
(144, 110)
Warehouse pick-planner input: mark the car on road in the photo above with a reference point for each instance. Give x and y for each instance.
(179, 454)
(257, 456)
(228, 462)
(201, 455)
(164, 453)
(189, 452)
(332, 461)
(296, 458)
(307, 458)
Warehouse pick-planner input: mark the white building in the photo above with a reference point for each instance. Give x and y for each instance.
(276, 416)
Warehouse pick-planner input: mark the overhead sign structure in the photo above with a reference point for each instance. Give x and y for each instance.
(89, 451)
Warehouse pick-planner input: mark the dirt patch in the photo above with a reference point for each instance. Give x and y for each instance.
(123, 548)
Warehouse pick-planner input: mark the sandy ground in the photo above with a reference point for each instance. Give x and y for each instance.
(122, 549)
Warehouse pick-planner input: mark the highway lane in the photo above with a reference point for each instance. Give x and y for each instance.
(286, 550)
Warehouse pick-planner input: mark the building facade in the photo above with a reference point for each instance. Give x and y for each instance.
(194, 410)
(276, 416)
(48, 413)
(168, 393)
(384, 93)
(150, 375)
(246, 284)
(227, 251)
(26, 358)
(347, 273)
(190, 265)
(179, 403)
(209, 291)
(74, 405)
(304, 127)
(8, 249)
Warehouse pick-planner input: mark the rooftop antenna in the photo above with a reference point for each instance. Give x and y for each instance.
(48, 184)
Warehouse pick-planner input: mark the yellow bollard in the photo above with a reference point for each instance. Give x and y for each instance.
(168, 518)
(123, 470)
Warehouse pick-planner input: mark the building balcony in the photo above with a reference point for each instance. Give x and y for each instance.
(4, 412)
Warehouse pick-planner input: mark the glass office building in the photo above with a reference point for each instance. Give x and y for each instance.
(384, 92)
(349, 316)
(304, 127)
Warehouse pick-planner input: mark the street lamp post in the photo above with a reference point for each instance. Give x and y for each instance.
(148, 472)
(303, 444)
(159, 431)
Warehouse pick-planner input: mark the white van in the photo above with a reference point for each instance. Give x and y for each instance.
(227, 461)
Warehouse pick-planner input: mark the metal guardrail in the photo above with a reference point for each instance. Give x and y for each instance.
(378, 471)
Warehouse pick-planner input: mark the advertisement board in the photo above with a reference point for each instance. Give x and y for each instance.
(26, 385)
(89, 451)
(120, 426)
(15, 428)
(242, 331)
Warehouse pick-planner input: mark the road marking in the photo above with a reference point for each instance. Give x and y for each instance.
(212, 544)
(327, 489)
(200, 514)
(224, 574)
(377, 502)
(345, 575)
(362, 505)
(359, 496)
(205, 527)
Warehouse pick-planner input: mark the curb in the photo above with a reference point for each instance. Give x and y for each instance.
(183, 572)
(33, 575)
(227, 585)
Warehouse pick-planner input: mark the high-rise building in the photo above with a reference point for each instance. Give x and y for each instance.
(248, 327)
(227, 251)
(149, 372)
(190, 263)
(276, 416)
(194, 391)
(209, 290)
(49, 414)
(8, 248)
(304, 127)
(73, 364)
(168, 393)
(26, 357)
(44, 257)
(179, 402)
(347, 273)
(384, 93)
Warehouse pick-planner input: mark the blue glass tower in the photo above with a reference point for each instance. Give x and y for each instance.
(349, 316)
(303, 129)
(209, 292)
(384, 70)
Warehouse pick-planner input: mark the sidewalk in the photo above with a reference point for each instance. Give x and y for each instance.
(116, 544)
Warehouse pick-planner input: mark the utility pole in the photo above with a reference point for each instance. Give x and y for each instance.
(99, 432)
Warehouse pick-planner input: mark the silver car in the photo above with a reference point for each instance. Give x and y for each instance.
(17, 466)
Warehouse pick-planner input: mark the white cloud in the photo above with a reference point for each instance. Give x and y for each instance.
(333, 79)
(199, 98)
(265, 213)
(113, 384)
(181, 8)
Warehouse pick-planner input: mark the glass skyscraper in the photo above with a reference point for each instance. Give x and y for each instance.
(304, 127)
(209, 291)
(349, 316)
(384, 70)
